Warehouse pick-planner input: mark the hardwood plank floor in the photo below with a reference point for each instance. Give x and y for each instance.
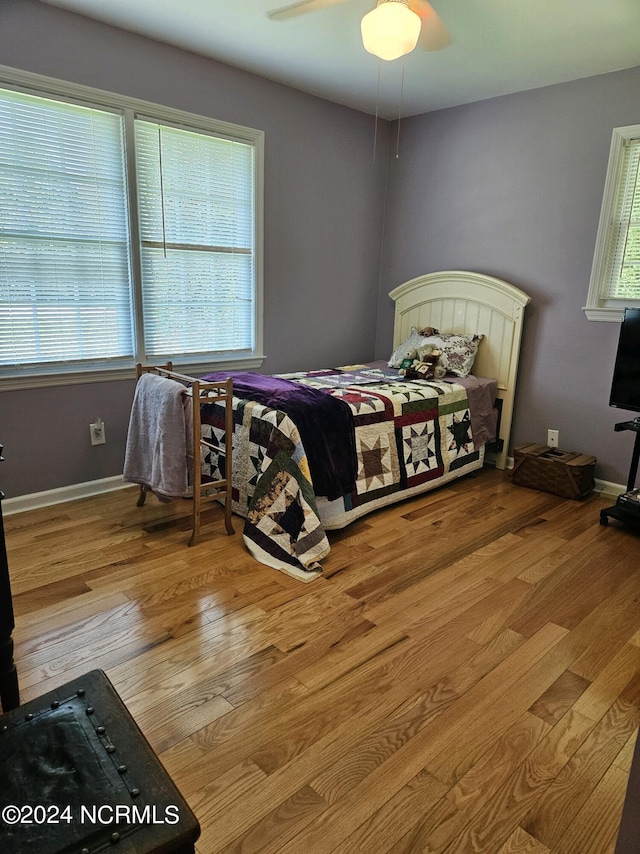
(464, 678)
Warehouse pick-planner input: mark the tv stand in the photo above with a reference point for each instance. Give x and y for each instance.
(626, 512)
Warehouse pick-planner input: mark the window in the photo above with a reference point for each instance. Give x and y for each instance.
(615, 276)
(195, 208)
(127, 233)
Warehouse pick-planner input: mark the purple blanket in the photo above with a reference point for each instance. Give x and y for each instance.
(324, 422)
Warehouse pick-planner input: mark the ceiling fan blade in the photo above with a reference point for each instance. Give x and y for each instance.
(434, 34)
(300, 8)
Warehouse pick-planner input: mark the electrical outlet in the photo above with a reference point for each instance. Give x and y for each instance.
(553, 437)
(97, 433)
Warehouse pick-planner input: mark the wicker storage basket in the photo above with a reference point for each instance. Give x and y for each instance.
(563, 473)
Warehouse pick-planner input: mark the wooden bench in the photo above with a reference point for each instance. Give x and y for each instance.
(78, 776)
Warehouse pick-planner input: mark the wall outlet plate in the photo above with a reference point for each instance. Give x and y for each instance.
(553, 437)
(97, 433)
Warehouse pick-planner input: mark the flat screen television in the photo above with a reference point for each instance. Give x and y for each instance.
(625, 388)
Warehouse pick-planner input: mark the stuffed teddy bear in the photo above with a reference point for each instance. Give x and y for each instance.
(408, 359)
(423, 363)
(435, 358)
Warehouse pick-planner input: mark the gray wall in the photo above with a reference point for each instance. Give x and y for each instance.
(324, 203)
(512, 187)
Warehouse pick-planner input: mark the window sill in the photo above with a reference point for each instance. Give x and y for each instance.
(17, 383)
(612, 315)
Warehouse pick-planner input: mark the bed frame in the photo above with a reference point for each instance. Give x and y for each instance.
(470, 303)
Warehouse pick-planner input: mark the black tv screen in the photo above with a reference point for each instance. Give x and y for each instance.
(625, 388)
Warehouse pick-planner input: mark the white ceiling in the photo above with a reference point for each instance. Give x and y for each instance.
(498, 47)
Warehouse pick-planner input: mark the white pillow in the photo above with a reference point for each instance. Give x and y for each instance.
(413, 342)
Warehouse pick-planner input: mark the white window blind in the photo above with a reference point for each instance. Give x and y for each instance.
(128, 232)
(622, 271)
(197, 226)
(65, 294)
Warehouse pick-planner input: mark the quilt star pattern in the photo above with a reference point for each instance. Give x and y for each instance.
(407, 433)
(271, 486)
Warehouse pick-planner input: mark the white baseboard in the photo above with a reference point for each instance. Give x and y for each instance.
(63, 493)
(606, 487)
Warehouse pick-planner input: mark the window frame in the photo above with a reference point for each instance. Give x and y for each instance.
(131, 109)
(598, 308)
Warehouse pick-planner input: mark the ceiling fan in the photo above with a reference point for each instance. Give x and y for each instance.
(392, 29)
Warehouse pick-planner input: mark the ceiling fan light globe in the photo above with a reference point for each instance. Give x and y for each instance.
(390, 30)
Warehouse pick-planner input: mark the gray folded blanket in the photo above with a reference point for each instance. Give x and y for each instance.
(159, 437)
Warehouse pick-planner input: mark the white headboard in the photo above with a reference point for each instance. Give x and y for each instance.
(470, 303)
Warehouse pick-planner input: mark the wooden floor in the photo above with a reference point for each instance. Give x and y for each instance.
(465, 678)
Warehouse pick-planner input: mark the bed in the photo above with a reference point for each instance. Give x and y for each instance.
(292, 483)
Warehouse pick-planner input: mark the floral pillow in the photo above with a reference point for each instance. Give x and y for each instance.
(459, 351)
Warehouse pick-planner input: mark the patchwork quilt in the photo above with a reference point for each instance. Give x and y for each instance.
(271, 486)
(410, 436)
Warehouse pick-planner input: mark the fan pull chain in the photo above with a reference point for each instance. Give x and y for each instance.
(375, 127)
(164, 230)
(400, 110)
